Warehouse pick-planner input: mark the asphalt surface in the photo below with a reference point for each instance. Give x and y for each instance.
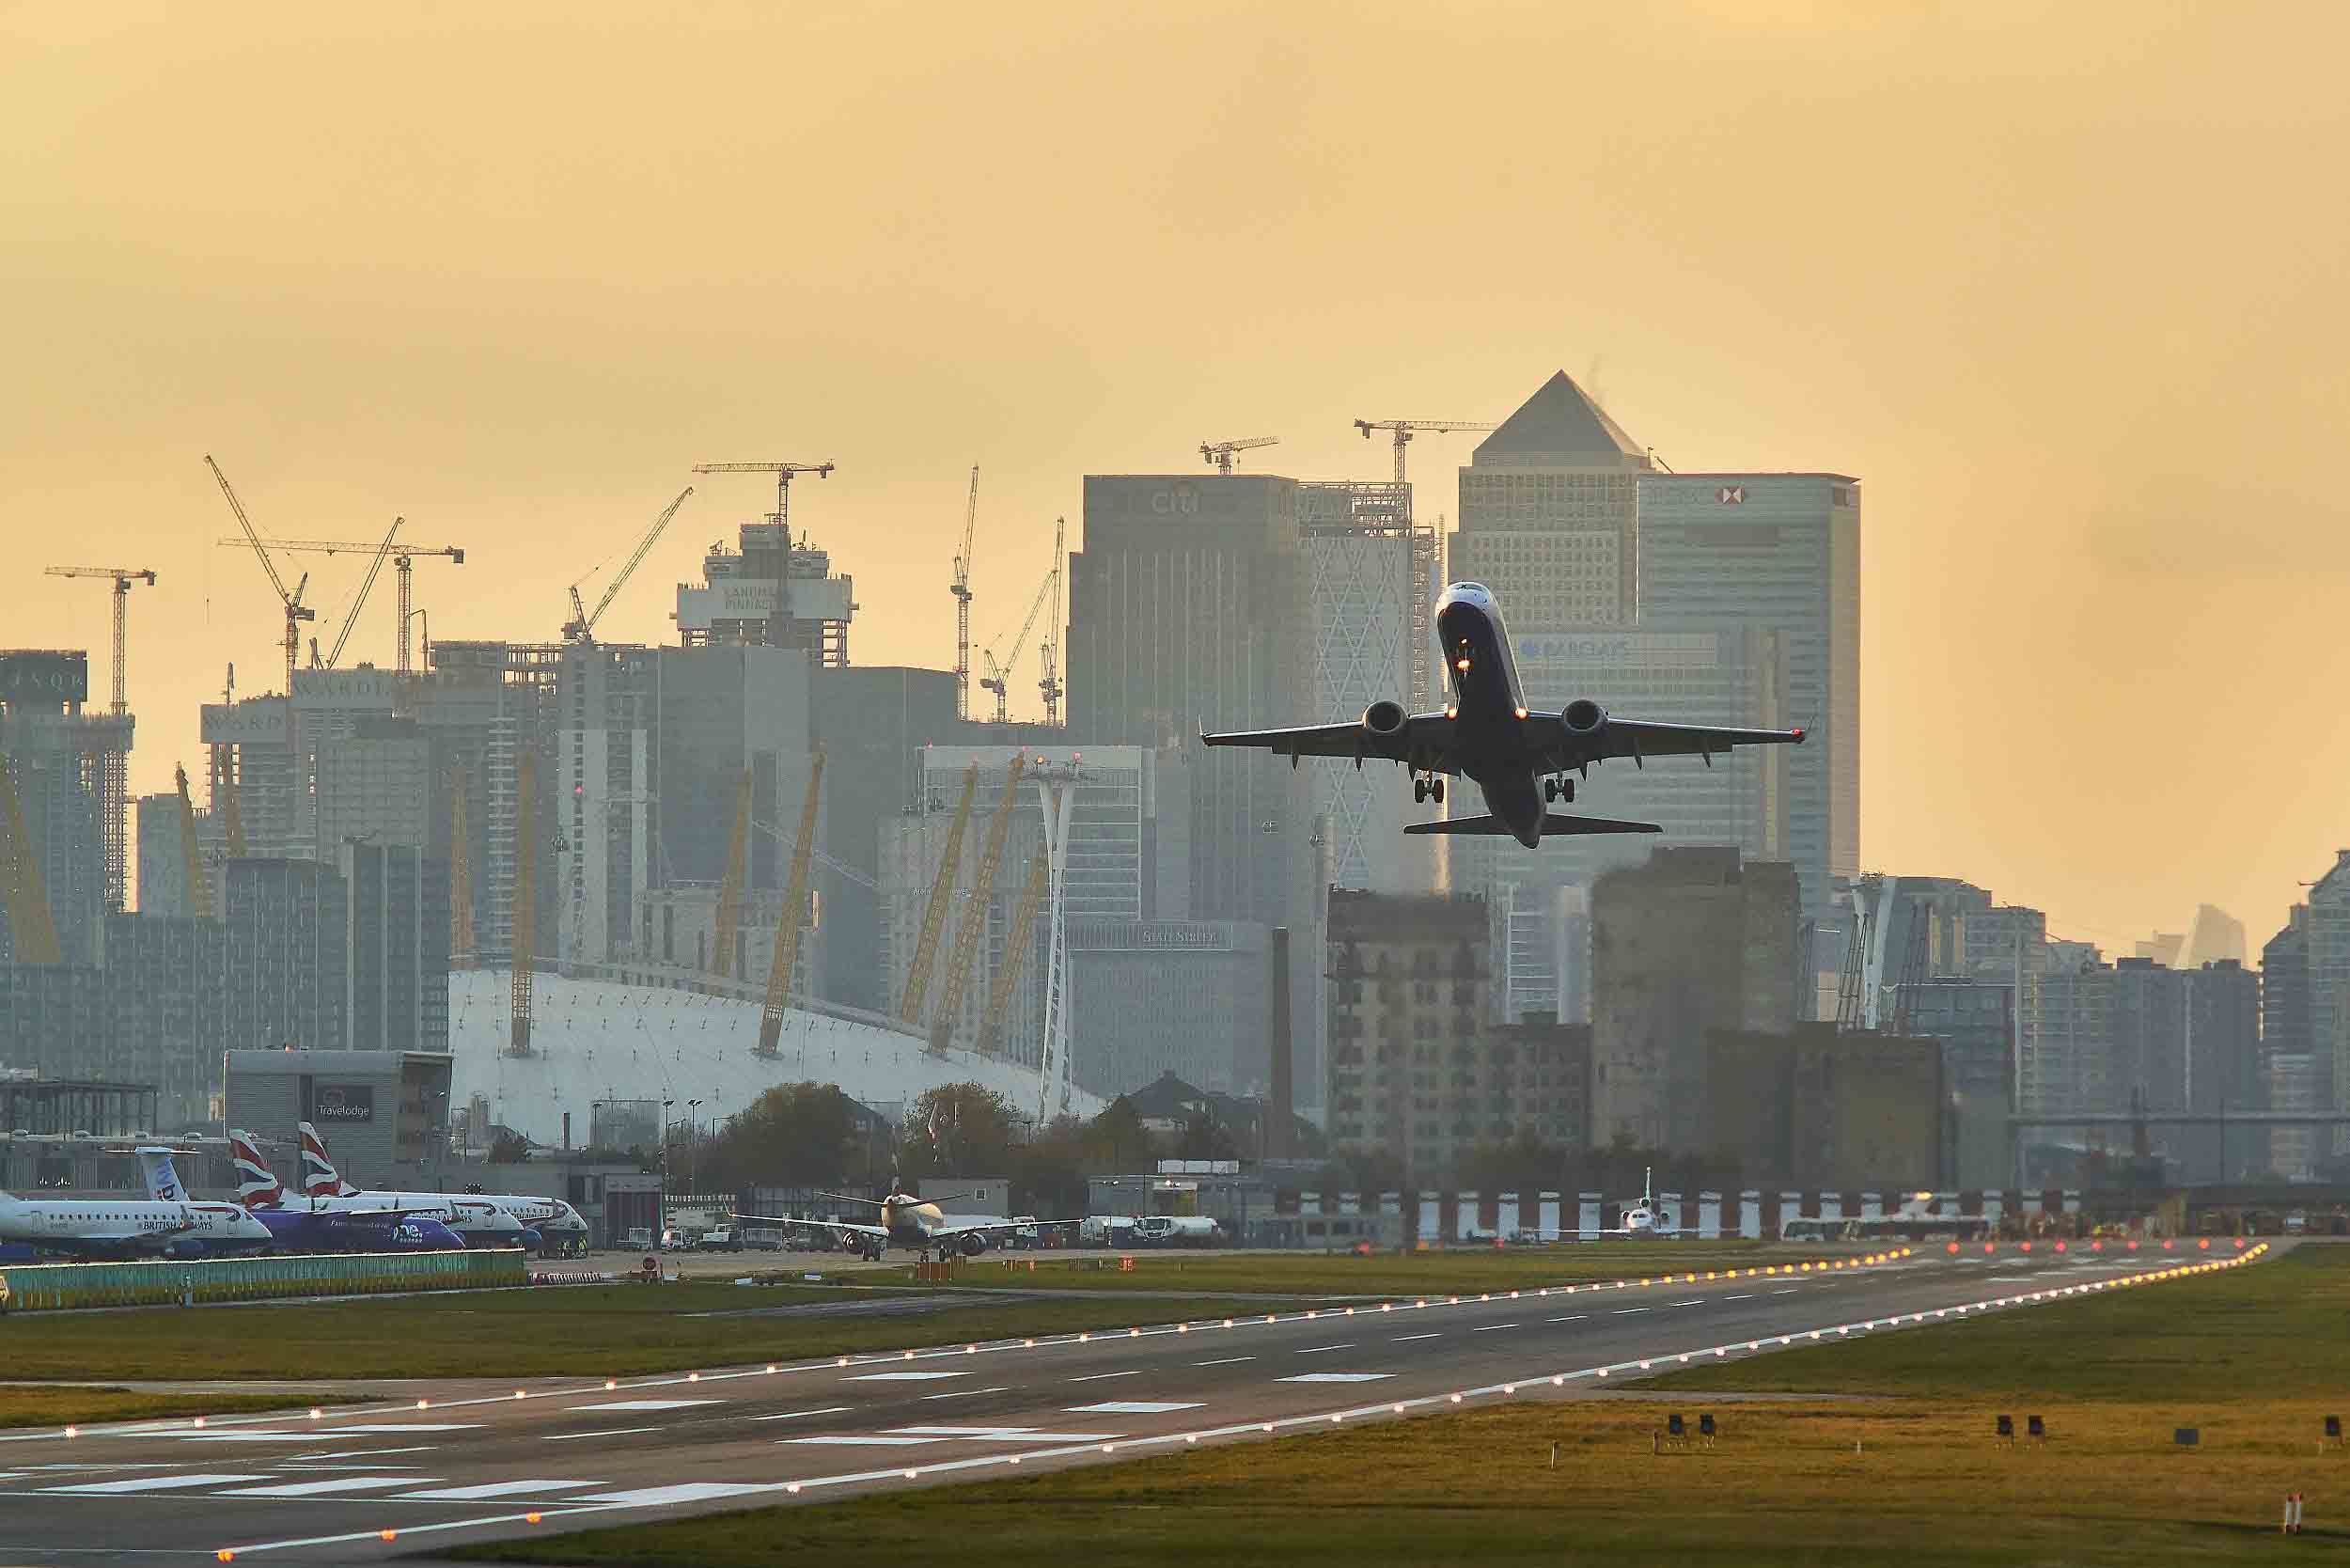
(386, 1481)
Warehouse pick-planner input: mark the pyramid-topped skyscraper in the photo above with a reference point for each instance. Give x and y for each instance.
(1549, 509)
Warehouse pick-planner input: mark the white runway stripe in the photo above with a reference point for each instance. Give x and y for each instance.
(691, 1491)
(796, 1415)
(497, 1489)
(644, 1405)
(1133, 1407)
(323, 1488)
(1334, 1378)
(147, 1484)
(905, 1377)
(876, 1440)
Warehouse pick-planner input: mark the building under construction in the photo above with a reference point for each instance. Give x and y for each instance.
(62, 841)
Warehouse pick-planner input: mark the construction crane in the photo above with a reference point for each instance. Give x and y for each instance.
(999, 670)
(582, 626)
(973, 921)
(296, 611)
(934, 913)
(787, 954)
(1404, 429)
(21, 890)
(961, 589)
(525, 917)
(403, 559)
(359, 600)
(1016, 942)
(190, 857)
(729, 917)
(780, 517)
(225, 780)
(122, 577)
(1048, 684)
(1219, 453)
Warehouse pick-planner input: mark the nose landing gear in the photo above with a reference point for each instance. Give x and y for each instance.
(1559, 789)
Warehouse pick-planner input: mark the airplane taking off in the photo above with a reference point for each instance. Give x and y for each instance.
(98, 1227)
(1490, 736)
(910, 1222)
(483, 1218)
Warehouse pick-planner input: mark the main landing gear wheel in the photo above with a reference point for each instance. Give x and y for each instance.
(1419, 792)
(1435, 789)
(1559, 789)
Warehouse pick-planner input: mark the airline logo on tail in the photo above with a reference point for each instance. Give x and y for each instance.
(257, 1186)
(320, 1179)
(163, 1177)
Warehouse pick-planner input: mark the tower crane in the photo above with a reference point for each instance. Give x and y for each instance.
(781, 516)
(1404, 429)
(1219, 453)
(582, 626)
(1049, 686)
(122, 576)
(191, 856)
(974, 923)
(296, 611)
(961, 588)
(999, 670)
(402, 556)
(787, 954)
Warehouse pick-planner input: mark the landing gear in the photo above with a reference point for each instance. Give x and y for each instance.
(1559, 789)
(1430, 788)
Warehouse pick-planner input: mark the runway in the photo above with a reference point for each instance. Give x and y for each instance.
(370, 1483)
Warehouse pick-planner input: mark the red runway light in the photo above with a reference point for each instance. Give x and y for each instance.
(2205, 1245)
(2060, 1247)
(1953, 1249)
(2028, 1246)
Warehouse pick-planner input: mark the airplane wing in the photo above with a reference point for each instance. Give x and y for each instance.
(1421, 737)
(1640, 739)
(989, 1227)
(840, 1226)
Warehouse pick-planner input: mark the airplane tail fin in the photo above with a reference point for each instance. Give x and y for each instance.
(163, 1177)
(320, 1179)
(1554, 825)
(257, 1186)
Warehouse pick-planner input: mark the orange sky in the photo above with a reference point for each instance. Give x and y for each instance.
(2063, 283)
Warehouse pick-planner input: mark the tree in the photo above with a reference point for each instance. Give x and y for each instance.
(1118, 1140)
(508, 1147)
(794, 1135)
(964, 1129)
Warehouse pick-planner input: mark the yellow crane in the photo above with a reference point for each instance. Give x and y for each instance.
(191, 854)
(526, 918)
(21, 885)
(729, 915)
(122, 577)
(961, 589)
(934, 913)
(1016, 942)
(403, 559)
(296, 611)
(1219, 453)
(973, 923)
(787, 955)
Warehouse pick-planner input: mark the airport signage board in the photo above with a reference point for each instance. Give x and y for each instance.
(44, 677)
(343, 1105)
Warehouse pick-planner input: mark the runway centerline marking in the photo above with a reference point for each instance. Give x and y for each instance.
(1227, 1361)
(1491, 1327)
(323, 1488)
(1316, 1350)
(604, 1432)
(1626, 1312)
(1096, 1377)
(951, 1393)
(1748, 1296)
(827, 1410)
(1789, 1291)
(905, 1376)
(1570, 1317)
(1399, 1338)
(1334, 1378)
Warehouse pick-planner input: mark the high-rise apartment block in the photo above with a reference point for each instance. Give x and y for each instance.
(396, 936)
(1692, 941)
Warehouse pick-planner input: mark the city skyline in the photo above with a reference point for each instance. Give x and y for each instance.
(2052, 434)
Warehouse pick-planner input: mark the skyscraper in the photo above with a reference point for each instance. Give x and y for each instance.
(1782, 552)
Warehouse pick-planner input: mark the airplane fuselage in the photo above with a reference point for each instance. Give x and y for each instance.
(1490, 741)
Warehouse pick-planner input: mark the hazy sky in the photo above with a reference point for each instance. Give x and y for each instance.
(2063, 284)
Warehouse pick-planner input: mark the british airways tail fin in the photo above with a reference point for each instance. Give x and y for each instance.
(257, 1186)
(1554, 825)
(320, 1179)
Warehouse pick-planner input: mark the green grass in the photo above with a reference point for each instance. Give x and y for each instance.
(2270, 1330)
(82, 1405)
(2248, 1354)
(1387, 1273)
(576, 1330)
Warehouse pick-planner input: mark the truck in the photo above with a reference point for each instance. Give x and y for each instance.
(720, 1239)
(1178, 1231)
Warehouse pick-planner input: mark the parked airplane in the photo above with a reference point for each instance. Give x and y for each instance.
(111, 1228)
(1489, 735)
(911, 1222)
(542, 1223)
(300, 1226)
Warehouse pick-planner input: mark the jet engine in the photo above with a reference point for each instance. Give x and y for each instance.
(1584, 716)
(1384, 719)
(974, 1243)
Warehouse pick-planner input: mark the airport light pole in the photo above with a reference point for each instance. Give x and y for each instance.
(662, 1240)
(692, 1144)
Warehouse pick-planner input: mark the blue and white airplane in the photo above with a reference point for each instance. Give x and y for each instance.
(1489, 735)
(112, 1228)
(383, 1230)
(534, 1223)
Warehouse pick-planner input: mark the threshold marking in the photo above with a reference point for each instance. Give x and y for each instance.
(690, 1491)
(322, 1488)
(1334, 1378)
(494, 1489)
(146, 1483)
(645, 1404)
(1134, 1407)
